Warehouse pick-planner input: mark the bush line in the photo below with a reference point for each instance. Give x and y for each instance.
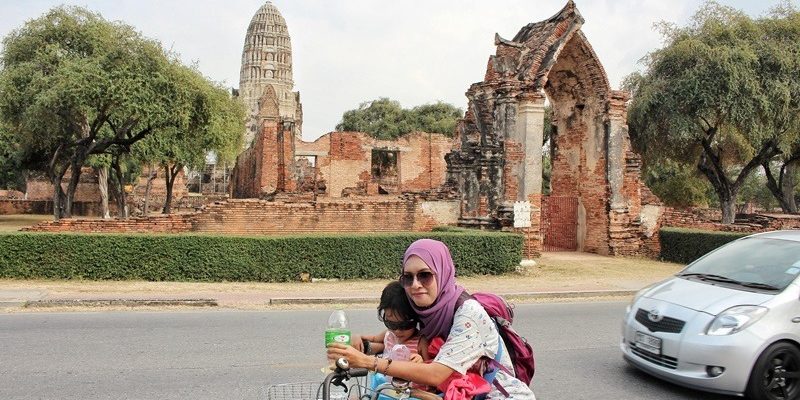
(681, 245)
(209, 258)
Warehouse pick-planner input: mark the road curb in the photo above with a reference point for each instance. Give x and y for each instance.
(510, 296)
(120, 302)
(321, 300)
(12, 304)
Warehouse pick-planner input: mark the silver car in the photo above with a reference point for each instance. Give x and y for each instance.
(728, 323)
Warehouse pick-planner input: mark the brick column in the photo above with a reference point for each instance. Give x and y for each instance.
(622, 235)
(617, 134)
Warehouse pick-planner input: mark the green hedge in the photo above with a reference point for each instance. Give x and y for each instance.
(683, 246)
(233, 258)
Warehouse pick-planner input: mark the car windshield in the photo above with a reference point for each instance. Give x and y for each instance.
(756, 263)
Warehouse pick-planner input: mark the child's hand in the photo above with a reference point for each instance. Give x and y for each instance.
(355, 341)
(415, 358)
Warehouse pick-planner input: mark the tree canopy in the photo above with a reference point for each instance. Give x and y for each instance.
(387, 119)
(722, 95)
(211, 121)
(73, 85)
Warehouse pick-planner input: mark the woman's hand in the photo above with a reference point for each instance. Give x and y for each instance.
(416, 358)
(356, 358)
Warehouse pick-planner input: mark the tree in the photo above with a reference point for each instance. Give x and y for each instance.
(73, 84)
(782, 55)
(719, 95)
(11, 174)
(784, 187)
(209, 120)
(755, 191)
(677, 184)
(386, 119)
(438, 117)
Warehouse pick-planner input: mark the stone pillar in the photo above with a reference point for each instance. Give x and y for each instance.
(530, 125)
(529, 133)
(623, 235)
(617, 136)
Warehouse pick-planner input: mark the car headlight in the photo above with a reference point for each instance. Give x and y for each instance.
(735, 319)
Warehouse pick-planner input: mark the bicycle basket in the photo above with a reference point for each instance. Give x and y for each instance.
(311, 391)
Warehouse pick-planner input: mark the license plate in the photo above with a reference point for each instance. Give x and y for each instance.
(648, 343)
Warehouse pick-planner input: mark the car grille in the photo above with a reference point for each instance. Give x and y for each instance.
(662, 360)
(667, 324)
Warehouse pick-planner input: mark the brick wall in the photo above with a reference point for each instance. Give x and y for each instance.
(87, 193)
(356, 214)
(579, 170)
(343, 162)
(157, 224)
(260, 217)
(45, 207)
(708, 219)
(40, 188)
(11, 194)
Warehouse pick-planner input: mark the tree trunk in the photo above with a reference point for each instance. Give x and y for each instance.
(120, 189)
(788, 185)
(152, 173)
(102, 182)
(76, 163)
(170, 174)
(728, 206)
(58, 196)
(783, 188)
(56, 174)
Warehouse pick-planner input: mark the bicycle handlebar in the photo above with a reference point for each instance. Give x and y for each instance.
(336, 377)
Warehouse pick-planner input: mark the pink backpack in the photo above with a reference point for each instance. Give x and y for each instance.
(502, 313)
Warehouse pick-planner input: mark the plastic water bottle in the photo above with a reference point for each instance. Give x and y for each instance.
(399, 352)
(338, 331)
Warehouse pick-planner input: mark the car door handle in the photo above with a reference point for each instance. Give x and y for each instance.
(796, 320)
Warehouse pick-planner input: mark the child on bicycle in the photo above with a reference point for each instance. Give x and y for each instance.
(395, 311)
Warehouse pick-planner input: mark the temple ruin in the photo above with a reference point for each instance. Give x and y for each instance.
(489, 176)
(596, 193)
(266, 73)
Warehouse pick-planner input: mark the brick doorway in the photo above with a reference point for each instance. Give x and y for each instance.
(560, 223)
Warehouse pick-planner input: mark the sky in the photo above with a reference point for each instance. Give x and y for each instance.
(346, 52)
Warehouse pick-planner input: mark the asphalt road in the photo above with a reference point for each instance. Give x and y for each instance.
(235, 355)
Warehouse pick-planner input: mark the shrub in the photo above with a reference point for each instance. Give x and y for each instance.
(234, 258)
(682, 245)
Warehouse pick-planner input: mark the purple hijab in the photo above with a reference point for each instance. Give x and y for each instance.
(437, 319)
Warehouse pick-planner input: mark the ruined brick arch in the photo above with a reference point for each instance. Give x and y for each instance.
(578, 89)
(500, 159)
(577, 74)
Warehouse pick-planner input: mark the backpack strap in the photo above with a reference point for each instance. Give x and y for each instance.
(464, 296)
(491, 374)
(494, 364)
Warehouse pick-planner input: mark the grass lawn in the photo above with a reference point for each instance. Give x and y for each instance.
(14, 222)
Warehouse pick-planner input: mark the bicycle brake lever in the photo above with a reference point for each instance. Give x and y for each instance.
(337, 381)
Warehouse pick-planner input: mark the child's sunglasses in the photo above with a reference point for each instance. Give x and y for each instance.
(399, 326)
(424, 278)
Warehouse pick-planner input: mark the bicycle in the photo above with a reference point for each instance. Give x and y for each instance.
(334, 387)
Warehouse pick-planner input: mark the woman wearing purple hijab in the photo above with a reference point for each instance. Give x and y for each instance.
(428, 277)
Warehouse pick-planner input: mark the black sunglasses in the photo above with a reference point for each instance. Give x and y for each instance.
(399, 326)
(424, 278)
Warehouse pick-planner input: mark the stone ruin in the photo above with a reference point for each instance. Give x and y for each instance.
(596, 193)
(489, 177)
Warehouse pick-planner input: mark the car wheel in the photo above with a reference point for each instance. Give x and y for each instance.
(776, 374)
